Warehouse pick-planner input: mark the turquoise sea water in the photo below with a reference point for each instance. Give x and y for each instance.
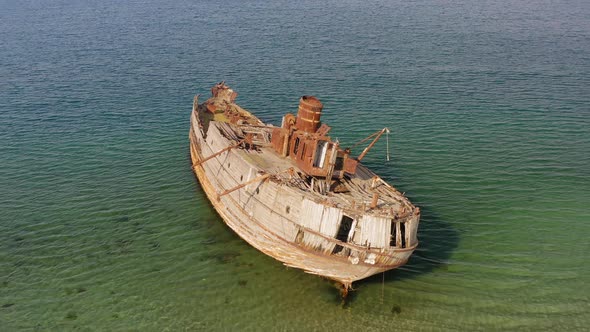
(104, 227)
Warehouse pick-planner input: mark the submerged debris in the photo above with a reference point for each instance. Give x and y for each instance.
(123, 219)
(71, 315)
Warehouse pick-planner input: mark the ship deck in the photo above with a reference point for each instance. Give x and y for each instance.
(355, 193)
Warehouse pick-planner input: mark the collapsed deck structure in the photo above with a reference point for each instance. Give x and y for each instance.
(296, 195)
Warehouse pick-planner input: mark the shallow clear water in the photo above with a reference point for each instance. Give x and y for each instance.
(104, 227)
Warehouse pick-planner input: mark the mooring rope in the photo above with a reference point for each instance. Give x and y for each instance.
(382, 286)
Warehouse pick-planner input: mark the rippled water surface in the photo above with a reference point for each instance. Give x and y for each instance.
(104, 227)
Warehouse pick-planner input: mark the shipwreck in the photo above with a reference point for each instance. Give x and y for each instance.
(295, 194)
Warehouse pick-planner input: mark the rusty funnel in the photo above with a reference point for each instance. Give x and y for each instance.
(308, 115)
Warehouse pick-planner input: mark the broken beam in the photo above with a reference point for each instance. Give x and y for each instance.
(216, 154)
(256, 179)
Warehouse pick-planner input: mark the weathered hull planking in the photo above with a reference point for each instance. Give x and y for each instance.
(318, 210)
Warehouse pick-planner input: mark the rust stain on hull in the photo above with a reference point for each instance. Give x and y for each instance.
(294, 194)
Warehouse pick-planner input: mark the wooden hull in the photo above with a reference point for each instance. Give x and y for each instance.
(278, 219)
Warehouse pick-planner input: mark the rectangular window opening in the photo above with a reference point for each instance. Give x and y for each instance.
(343, 231)
(393, 234)
(403, 234)
(320, 154)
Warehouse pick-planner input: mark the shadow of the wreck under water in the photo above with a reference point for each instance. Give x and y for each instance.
(437, 241)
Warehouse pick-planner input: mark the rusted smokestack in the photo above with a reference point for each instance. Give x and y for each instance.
(308, 116)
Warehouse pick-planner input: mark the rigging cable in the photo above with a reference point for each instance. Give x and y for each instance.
(387, 137)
